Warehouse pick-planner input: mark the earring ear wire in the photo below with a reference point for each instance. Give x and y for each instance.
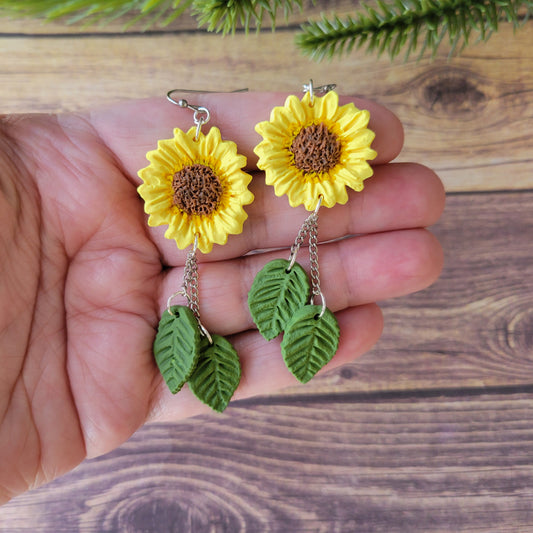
(201, 114)
(200, 91)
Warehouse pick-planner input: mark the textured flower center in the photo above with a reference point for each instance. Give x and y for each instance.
(316, 149)
(197, 190)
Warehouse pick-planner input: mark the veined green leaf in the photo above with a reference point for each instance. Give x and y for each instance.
(310, 341)
(276, 295)
(176, 346)
(217, 373)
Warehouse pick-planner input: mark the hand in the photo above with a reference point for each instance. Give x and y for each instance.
(84, 280)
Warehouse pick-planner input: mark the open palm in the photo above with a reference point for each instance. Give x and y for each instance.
(83, 280)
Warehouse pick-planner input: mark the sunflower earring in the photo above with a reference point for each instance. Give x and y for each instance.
(311, 150)
(195, 185)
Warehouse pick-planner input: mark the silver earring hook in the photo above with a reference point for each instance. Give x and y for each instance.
(197, 91)
(321, 89)
(201, 113)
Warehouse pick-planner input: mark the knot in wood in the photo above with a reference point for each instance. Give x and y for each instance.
(454, 91)
(316, 149)
(197, 190)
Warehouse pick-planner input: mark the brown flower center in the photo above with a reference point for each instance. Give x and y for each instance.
(197, 190)
(316, 149)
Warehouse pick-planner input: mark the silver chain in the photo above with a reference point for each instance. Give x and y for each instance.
(309, 228)
(190, 283)
(310, 222)
(189, 289)
(313, 258)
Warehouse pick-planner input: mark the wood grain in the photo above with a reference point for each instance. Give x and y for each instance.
(470, 119)
(413, 463)
(474, 326)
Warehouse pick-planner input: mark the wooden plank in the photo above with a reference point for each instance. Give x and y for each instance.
(471, 119)
(474, 326)
(409, 463)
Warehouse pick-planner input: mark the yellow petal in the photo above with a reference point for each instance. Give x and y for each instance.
(299, 112)
(326, 106)
(355, 120)
(354, 175)
(186, 147)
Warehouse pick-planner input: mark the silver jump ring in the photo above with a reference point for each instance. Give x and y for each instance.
(319, 203)
(321, 89)
(323, 299)
(201, 115)
(205, 333)
(181, 292)
(292, 260)
(199, 124)
(308, 88)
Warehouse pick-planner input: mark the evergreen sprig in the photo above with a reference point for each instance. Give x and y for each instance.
(404, 24)
(224, 16)
(390, 26)
(90, 12)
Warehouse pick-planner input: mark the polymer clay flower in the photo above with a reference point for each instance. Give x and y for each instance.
(315, 149)
(197, 187)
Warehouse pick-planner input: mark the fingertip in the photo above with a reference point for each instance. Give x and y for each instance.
(422, 266)
(389, 134)
(414, 190)
(437, 199)
(361, 328)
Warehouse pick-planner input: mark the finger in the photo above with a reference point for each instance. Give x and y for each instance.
(133, 128)
(398, 196)
(353, 272)
(263, 369)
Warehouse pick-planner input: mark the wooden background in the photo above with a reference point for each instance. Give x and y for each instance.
(432, 431)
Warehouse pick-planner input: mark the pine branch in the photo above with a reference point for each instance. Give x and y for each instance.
(98, 11)
(224, 16)
(410, 25)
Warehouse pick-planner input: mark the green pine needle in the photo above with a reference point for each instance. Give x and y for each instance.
(97, 11)
(409, 26)
(387, 27)
(224, 16)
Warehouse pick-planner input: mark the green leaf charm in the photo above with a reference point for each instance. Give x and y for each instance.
(217, 374)
(310, 341)
(276, 295)
(176, 346)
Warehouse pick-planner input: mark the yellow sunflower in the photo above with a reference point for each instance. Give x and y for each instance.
(197, 187)
(312, 150)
